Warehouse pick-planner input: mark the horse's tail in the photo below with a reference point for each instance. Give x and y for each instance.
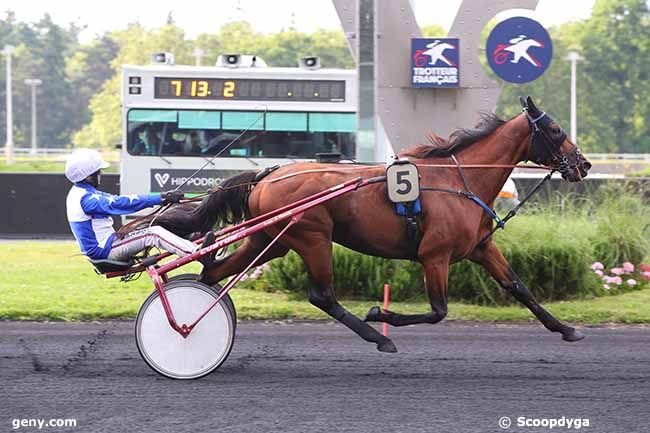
(227, 203)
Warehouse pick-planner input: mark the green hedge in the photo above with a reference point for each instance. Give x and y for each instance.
(550, 248)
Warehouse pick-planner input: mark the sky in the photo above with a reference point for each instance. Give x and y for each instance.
(199, 16)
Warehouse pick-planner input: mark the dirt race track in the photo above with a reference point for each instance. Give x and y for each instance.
(319, 377)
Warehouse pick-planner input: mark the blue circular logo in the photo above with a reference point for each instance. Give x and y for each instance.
(519, 50)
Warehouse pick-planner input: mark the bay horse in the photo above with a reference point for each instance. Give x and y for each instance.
(451, 226)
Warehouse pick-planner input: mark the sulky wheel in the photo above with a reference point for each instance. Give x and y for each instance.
(204, 349)
(217, 287)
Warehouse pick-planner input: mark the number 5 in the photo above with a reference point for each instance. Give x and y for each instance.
(403, 181)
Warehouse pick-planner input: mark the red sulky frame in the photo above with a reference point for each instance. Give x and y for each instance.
(292, 212)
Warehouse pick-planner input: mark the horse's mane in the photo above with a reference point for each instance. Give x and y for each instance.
(458, 140)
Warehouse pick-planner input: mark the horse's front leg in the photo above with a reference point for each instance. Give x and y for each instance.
(493, 261)
(436, 271)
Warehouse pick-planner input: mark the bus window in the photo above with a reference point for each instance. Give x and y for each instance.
(269, 135)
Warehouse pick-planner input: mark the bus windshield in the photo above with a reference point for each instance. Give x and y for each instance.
(268, 135)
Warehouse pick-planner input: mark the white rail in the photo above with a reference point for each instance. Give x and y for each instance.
(27, 151)
(591, 156)
(623, 156)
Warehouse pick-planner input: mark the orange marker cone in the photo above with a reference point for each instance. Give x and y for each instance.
(386, 302)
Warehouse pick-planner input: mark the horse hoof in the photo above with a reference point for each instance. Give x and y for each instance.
(386, 346)
(573, 335)
(373, 315)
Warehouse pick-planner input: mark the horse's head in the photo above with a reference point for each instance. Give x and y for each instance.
(550, 146)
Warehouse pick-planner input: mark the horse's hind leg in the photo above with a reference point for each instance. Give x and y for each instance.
(493, 261)
(242, 257)
(316, 251)
(436, 270)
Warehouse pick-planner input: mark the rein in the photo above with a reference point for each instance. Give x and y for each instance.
(344, 170)
(513, 212)
(500, 223)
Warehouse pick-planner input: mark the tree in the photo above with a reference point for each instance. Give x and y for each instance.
(40, 52)
(613, 90)
(56, 110)
(332, 48)
(616, 48)
(88, 68)
(135, 46)
(433, 31)
(239, 37)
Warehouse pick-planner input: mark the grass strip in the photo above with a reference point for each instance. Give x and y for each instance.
(46, 281)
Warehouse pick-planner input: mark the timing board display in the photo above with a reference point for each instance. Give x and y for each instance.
(249, 89)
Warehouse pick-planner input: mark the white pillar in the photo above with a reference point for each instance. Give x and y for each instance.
(9, 145)
(33, 83)
(573, 57)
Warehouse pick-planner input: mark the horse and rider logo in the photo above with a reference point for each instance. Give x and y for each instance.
(519, 50)
(518, 47)
(436, 53)
(435, 62)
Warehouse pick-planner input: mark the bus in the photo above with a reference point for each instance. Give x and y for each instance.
(176, 118)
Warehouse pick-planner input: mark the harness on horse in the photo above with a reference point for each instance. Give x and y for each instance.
(541, 147)
(411, 208)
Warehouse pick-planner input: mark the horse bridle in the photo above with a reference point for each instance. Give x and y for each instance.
(539, 139)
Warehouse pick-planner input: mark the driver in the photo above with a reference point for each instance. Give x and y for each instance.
(89, 214)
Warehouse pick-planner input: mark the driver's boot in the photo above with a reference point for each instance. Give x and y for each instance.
(208, 260)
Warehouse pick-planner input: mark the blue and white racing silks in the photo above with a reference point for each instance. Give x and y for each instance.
(89, 215)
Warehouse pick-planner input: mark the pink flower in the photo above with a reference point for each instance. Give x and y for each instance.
(597, 266)
(617, 271)
(617, 280)
(599, 272)
(606, 286)
(628, 267)
(631, 282)
(646, 274)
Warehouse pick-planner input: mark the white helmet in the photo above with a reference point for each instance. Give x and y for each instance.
(82, 163)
